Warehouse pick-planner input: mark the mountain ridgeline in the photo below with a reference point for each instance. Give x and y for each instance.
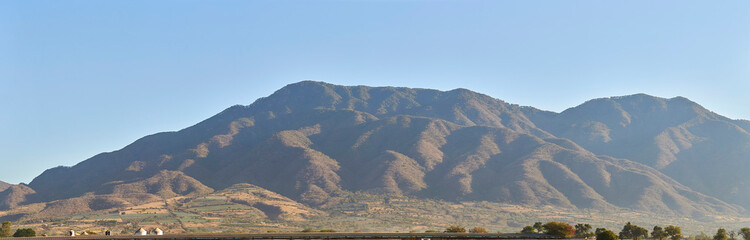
(311, 141)
(4, 185)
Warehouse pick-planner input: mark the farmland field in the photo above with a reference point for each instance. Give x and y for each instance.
(360, 212)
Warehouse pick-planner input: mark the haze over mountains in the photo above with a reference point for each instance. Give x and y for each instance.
(311, 141)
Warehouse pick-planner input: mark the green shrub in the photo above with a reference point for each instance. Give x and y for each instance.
(606, 235)
(24, 232)
(5, 229)
(455, 229)
(528, 229)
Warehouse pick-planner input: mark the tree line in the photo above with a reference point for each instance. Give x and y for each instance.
(581, 230)
(21, 232)
(629, 231)
(559, 229)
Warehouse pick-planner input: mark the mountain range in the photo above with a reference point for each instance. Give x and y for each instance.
(312, 142)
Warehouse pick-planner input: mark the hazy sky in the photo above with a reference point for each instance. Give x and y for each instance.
(82, 77)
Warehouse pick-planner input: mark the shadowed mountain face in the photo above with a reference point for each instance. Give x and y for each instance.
(311, 140)
(14, 195)
(695, 146)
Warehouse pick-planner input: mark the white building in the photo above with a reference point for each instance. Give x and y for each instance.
(72, 233)
(141, 232)
(158, 231)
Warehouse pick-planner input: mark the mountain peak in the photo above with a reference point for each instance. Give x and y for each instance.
(4, 185)
(640, 105)
(306, 83)
(641, 98)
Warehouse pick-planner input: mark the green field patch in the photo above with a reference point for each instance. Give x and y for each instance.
(167, 220)
(144, 216)
(223, 207)
(106, 216)
(184, 214)
(190, 217)
(193, 220)
(242, 225)
(83, 216)
(208, 201)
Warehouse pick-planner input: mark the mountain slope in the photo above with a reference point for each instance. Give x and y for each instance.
(689, 143)
(287, 109)
(15, 195)
(312, 141)
(4, 185)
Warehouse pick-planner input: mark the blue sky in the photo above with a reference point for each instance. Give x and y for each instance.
(82, 77)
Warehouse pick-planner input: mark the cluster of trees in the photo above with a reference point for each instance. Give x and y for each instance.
(460, 229)
(629, 231)
(21, 232)
(721, 234)
(670, 232)
(559, 229)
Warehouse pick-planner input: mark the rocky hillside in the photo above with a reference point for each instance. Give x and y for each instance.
(311, 141)
(15, 195)
(4, 185)
(687, 142)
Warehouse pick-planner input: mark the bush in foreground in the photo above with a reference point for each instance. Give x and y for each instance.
(559, 229)
(606, 235)
(455, 229)
(24, 232)
(528, 229)
(478, 230)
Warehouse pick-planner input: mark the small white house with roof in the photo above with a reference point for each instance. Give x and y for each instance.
(141, 232)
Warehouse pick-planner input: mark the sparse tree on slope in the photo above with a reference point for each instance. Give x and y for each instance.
(721, 234)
